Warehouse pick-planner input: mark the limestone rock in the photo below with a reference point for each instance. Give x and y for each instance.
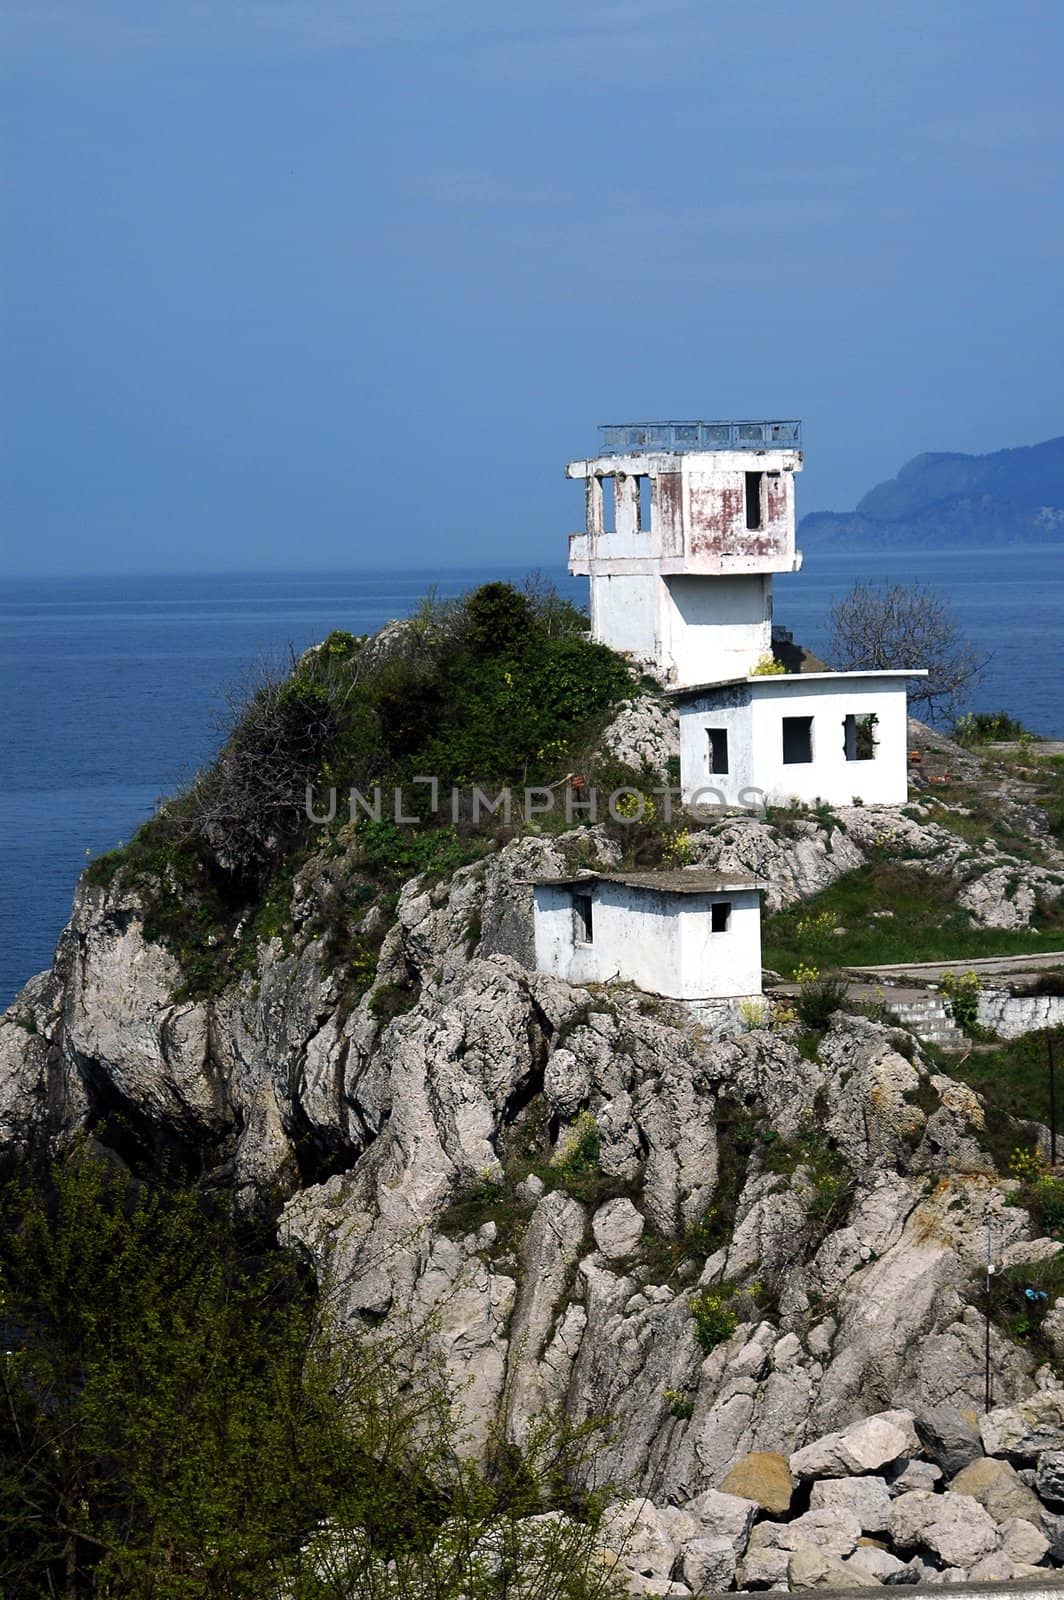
(916, 1475)
(1025, 1430)
(997, 1567)
(947, 1438)
(644, 733)
(762, 1476)
(637, 1531)
(764, 1567)
(1023, 1540)
(794, 866)
(815, 1569)
(708, 1563)
(996, 1485)
(831, 1530)
(867, 1497)
(729, 1516)
(877, 1565)
(1052, 1525)
(1049, 1477)
(618, 1228)
(954, 1526)
(548, 1252)
(864, 1447)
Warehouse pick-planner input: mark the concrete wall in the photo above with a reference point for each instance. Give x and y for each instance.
(715, 628)
(626, 614)
(660, 942)
(1009, 1015)
(753, 715)
(698, 520)
(716, 965)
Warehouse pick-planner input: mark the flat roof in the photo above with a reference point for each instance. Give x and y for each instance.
(780, 679)
(682, 880)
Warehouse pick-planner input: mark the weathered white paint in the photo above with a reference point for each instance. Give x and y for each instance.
(752, 711)
(716, 629)
(659, 941)
(691, 592)
(1008, 1015)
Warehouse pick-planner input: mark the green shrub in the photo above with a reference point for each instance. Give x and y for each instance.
(578, 1154)
(818, 999)
(391, 1000)
(501, 688)
(175, 1426)
(715, 1321)
(498, 619)
(962, 990)
(987, 727)
(680, 1405)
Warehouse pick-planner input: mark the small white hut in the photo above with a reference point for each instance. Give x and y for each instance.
(690, 935)
(841, 737)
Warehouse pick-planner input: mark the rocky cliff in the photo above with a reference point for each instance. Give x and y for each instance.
(738, 1248)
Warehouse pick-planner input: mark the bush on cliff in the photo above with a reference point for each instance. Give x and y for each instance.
(174, 1424)
(500, 687)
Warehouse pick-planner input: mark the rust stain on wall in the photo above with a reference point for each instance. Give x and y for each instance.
(717, 515)
(668, 511)
(775, 499)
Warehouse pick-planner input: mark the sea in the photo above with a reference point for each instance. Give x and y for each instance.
(114, 690)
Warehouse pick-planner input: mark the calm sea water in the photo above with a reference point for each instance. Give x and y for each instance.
(111, 688)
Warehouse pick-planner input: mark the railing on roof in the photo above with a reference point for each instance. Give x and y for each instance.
(700, 436)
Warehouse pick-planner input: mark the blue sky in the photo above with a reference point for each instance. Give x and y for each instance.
(296, 283)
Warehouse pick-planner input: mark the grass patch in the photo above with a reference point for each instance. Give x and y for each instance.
(839, 926)
(1013, 1077)
(1021, 1297)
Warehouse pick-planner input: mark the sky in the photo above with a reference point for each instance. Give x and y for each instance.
(309, 284)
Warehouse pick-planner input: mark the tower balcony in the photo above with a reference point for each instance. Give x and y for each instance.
(622, 438)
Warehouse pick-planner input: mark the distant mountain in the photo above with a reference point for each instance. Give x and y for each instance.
(1007, 497)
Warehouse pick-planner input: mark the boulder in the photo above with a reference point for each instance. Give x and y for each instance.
(814, 1569)
(876, 1565)
(708, 1564)
(618, 1228)
(764, 1477)
(1049, 1477)
(1025, 1430)
(1052, 1525)
(867, 1498)
(728, 1516)
(644, 733)
(998, 1487)
(832, 1530)
(1023, 1541)
(864, 1447)
(947, 1438)
(640, 1535)
(997, 1567)
(763, 1567)
(916, 1475)
(954, 1526)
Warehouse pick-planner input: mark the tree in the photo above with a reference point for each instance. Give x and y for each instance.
(905, 625)
(180, 1418)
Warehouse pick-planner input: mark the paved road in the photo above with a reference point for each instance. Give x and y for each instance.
(1002, 965)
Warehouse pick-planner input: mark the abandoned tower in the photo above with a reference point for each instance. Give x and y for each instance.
(686, 523)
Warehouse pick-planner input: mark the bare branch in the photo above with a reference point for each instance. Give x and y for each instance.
(905, 625)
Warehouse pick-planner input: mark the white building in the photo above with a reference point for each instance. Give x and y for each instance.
(685, 524)
(691, 935)
(841, 737)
